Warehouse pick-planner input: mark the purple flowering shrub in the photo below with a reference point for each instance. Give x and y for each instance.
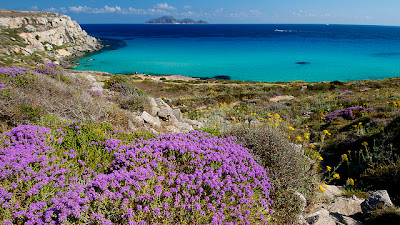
(350, 113)
(15, 75)
(82, 173)
(51, 70)
(124, 88)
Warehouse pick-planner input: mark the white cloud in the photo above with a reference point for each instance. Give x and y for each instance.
(80, 9)
(187, 7)
(164, 6)
(51, 9)
(35, 7)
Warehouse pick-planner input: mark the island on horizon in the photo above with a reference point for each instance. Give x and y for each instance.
(172, 20)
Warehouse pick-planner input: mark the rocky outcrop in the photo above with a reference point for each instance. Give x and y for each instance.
(376, 200)
(171, 118)
(345, 210)
(55, 34)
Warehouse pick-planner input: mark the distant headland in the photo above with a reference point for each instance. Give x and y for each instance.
(172, 20)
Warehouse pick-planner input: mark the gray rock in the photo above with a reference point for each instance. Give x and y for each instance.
(153, 106)
(195, 124)
(342, 219)
(321, 217)
(172, 129)
(345, 206)
(184, 126)
(165, 113)
(153, 121)
(375, 201)
(160, 102)
(331, 191)
(177, 113)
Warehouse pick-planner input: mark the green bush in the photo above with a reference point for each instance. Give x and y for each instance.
(292, 171)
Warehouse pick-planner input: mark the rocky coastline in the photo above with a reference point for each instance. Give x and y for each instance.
(43, 37)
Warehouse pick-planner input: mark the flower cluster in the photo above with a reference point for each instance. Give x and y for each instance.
(4, 87)
(93, 92)
(193, 177)
(124, 88)
(50, 70)
(349, 114)
(14, 71)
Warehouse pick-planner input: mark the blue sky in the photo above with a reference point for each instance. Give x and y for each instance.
(374, 12)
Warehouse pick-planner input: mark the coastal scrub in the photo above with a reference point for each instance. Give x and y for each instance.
(170, 179)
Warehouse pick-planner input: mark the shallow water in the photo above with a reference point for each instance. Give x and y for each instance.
(249, 52)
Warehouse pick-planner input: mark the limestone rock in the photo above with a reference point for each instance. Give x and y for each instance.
(42, 31)
(172, 129)
(194, 123)
(177, 113)
(331, 191)
(345, 206)
(153, 106)
(376, 200)
(184, 126)
(153, 121)
(342, 219)
(281, 98)
(165, 111)
(321, 217)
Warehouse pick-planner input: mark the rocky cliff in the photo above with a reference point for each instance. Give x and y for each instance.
(42, 36)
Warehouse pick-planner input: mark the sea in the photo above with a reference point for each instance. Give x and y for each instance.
(247, 52)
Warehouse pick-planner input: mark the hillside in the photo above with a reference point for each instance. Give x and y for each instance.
(42, 37)
(87, 147)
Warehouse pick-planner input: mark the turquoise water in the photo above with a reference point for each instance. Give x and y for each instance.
(257, 54)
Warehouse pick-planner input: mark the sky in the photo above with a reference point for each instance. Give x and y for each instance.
(365, 12)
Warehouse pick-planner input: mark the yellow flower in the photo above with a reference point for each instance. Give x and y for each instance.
(336, 176)
(344, 157)
(306, 135)
(327, 132)
(328, 168)
(321, 189)
(365, 143)
(299, 138)
(320, 158)
(312, 146)
(350, 181)
(360, 123)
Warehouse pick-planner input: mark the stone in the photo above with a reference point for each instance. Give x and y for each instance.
(177, 113)
(153, 107)
(184, 126)
(165, 113)
(281, 98)
(153, 121)
(321, 217)
(375, 201)
(332, 191)
(195, 124)
(342, 219)
(172, 129)
(345, 206)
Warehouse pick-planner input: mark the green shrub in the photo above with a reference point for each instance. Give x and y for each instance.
(292, 171)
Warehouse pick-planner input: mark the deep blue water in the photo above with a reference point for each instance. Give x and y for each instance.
(249, 52)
